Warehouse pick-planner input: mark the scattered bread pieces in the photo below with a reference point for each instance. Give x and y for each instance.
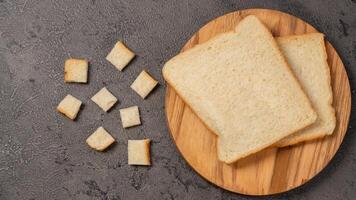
(69, 106)
(139, 152)
(100, 139)
(104, 99)
(76, 70)
(143, 84)
(130, 116)
(120, 56)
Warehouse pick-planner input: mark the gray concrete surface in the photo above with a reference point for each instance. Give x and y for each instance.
(43, 154)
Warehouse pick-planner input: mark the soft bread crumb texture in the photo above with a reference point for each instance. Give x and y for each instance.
(120, 56)
(104, 99)
(100, 139)
(139, 152)
(76, 70)
(242, 88)
(307, 57)
(69, 106)
(144, 84)
(130, 116)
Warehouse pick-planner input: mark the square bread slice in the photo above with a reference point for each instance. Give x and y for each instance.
(144, 84)
(130, 116)
(242, 88)
(76, 70)
(104, 99)
(306, 54)
(69, 106)
(139, 152)
(120, 56)
(100, 139)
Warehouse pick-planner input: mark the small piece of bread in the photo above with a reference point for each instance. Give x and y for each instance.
(120, 56)
(76, 70)
(69, 106)
(307, 57)
(241, 87)
(143, 84)
(104, 99)
(130, 116)
(100, 139)
(139, 152)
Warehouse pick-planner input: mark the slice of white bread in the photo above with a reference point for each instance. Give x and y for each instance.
(242, 88)
(307, 57)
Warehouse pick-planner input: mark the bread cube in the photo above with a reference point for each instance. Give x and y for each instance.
(139, 152)
(143, 84)
(120, 56)
(100, 139)
(76, 70)
(69, 106)
(130, 116)
(104, 99)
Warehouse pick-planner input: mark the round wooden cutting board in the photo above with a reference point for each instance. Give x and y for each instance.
(273, 170)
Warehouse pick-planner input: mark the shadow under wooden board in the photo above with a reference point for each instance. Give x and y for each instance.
(272, 170)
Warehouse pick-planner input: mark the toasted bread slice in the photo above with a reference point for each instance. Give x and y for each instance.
(307, 57)
(242, 88)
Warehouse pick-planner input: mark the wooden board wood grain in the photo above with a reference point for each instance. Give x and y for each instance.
(273, 170)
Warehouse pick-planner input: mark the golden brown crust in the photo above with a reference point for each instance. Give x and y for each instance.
(147, 143)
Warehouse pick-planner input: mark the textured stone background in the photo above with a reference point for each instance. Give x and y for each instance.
(43, 154)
